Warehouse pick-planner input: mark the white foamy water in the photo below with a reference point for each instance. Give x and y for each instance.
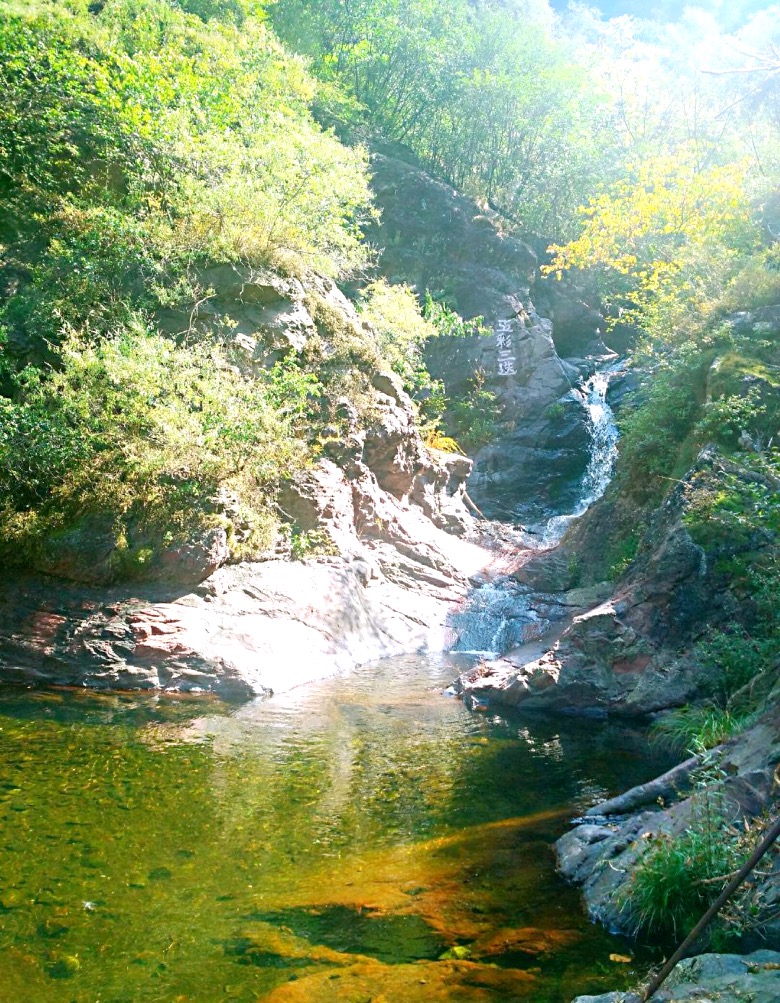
(603, 453)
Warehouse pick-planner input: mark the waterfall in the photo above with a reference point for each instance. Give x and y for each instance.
(498, 618)
(500, 615)
(603, 452)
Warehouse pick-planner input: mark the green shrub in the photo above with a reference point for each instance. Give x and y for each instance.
(167, 137)
(695, 729)
(734, 512)
(733, 658)
(344, 357)
(199, 131)
(400, 330)
(475, 417)
(744, 395)
(450, 324)
(621, 555)
(756, 284)
(654, 433)
(309, 543)
(137, 430)
(680, 876)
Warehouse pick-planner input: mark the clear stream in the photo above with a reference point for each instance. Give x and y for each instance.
(363, 839)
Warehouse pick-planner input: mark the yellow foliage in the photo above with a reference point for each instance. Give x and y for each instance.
(666, 239)
(436, 439)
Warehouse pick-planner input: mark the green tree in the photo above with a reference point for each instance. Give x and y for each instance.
(483, 96)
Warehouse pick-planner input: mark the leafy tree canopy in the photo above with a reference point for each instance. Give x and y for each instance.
(665, 240)
(484, 96)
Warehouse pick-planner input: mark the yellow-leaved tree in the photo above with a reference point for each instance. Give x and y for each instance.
(664, 242)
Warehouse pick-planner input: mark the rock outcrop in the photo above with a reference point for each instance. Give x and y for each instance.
(433, 238)
(727, 978)
(634, 652)
(602, 854)
(248, 630)
(387, 580)
(383, 524)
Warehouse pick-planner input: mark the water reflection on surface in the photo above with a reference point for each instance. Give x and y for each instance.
(364, 838)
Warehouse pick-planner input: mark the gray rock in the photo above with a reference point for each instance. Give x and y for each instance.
(714, 978)
(602, 858)
(537, 460)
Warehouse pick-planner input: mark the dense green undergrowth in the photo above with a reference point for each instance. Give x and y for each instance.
(142, 143)
(705, 431)
(142, 432)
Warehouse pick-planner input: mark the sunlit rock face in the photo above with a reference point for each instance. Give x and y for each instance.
(391, 564)
(435, 239)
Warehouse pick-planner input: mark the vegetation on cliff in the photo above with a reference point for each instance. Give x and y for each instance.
(682, 252)
(144, 142)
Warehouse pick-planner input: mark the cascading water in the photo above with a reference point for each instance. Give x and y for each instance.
(498, 618)
(499, 615)
(603, 452)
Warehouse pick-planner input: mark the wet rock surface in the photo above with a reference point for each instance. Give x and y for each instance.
(249, 629)
(387, 582)
(714, 978)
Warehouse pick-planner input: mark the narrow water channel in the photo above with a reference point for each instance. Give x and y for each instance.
(362, 839)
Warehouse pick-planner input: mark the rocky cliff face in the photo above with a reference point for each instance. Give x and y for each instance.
(375, 507)
(386, 524)
(385, 515)
(433, 238)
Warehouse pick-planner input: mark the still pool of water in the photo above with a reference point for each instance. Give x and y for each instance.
(365, 838)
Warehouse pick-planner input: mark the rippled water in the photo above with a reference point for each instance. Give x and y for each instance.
(363, 839)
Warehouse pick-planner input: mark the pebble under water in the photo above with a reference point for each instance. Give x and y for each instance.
(365, 838)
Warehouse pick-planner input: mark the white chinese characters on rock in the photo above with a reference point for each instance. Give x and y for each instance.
(506, 362)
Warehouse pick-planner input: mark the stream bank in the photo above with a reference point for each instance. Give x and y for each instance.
(727, 978)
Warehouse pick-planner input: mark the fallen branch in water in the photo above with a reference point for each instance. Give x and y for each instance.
(664, 787)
